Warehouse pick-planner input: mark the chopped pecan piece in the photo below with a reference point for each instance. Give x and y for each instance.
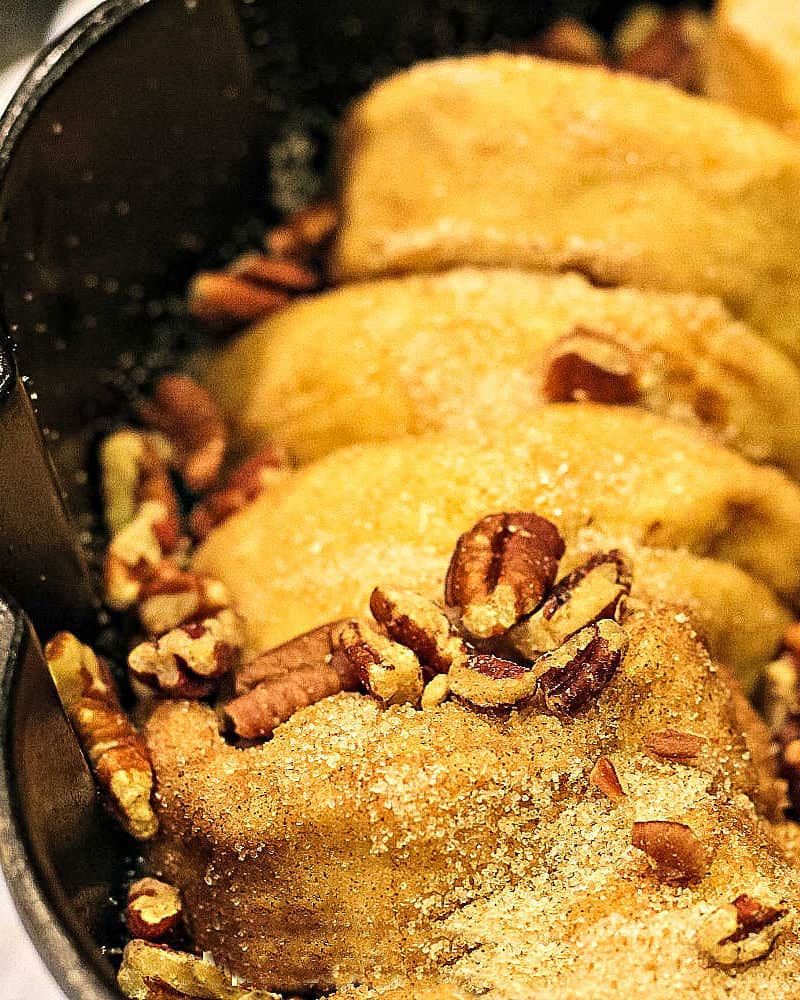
(189, 661)
(596, 589)
(683, 748)
(670, 51)
(490, 682)
(419, 624)
(150, 970)
(172, 596)
(501, 569)
(305, 234)
(134, 469)
(605, 779)
(255, 476)
(116, 752)
(437, 691)
(586, 365)
(389, 671)
(185, 413)
(672, 849)
(320, 645)
(569, 40)
(743, 930)
(154, 909)
(576, 674)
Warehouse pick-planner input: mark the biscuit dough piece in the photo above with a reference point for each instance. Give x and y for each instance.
(753, 59)
(363, 844)
(457, 350)
(388, 513)
(516, 161)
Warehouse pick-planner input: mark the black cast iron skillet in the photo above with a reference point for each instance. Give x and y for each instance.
(155, 137)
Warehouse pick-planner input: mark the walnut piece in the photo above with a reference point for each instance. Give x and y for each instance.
(418, 624)
(116, 752)
(605, 779)
(488, 681)
(587, 365)
(683, 748)
(574, 676)
(390, 672)
(172, 596)
(154, 909)
(596, 589)
(673, 850)
(744, 930)
(501, 569)
(150, 970)
(184, 412)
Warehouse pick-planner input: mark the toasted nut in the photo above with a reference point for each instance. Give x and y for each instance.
(569, 40)
(501, 569)
(190, 419)
(320, 645)
(595, 589)
(259, 473)
(287, 275)
(605, 779)
(219, 299)
(389, 671)
(189, 660)
(743, 930)
(419, 624)
(116, 752)
(672, 849)
(490, 682)
(683, 748)
(576, 674)
(134, 468)
(153, 910)
(437, 691)
(134, 553)
(586, 365)
(635, 28)
(781, 697)
(670, 51)
(172, 596)
(305, 234)
(147, 968)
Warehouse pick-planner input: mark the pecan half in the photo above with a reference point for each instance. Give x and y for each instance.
(605, 779)
(490, 682)
(596, 589)
(683, 748)
(172, 596)
(673, 850)
(320, 645)
(743, 930)
(501, 569)
(586, 365)
(419, 624)
(185, 413)
(150, 970)
(154, 909)
(189, 661)
(305, 234)
(390, 672)
(259, 473)
(116, 752)
(576, 674)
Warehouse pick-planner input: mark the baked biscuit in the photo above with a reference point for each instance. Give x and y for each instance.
(364, 844)
(310, 550)
(753, 59)
(516, 161)
(460, 349)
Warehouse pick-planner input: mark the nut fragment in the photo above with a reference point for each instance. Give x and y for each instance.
(586, 365)
(116, 752)
(305, 234)
(781, 697)
(605, 779)
(672, 849)
(134, 469)
(596, 589)
(683, 748)
(787, 739)
(569, 40)
(743, 930)
(150, 970)
(189, 660)
(153, 910)
(172, 596)
(576, 674)
(419, 624)
(320, 645)
(501, 569)
(670, 50)
(490, 682)
(437, 691)
(189, 418)
(389, 671)
(290, 680)
(259, 473)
